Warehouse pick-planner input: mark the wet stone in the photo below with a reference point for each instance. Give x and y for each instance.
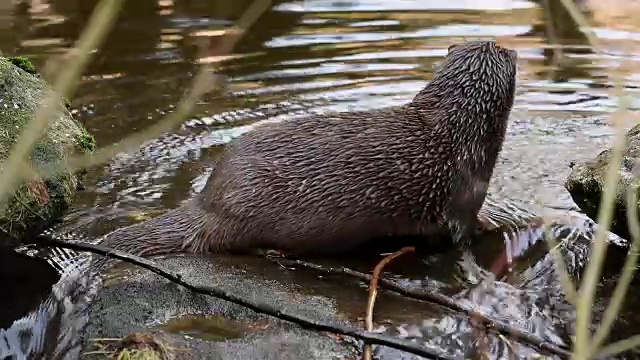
(530, 299)
(136, 303)
(586, 182)
(136, 300)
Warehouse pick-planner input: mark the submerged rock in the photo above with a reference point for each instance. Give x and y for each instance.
(586, 182)
(201, 327)
(36, 204)
(530, 299)
(136, 304)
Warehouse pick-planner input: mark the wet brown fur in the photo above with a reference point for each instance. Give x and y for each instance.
(326, 183)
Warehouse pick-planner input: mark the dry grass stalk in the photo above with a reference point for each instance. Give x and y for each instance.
(584, 345)
(373, 292)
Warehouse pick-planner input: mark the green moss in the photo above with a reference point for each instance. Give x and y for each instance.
(61, 190)
(143, 354)
(24, 64)
(86, 143)
(67, 103)
(39, 203)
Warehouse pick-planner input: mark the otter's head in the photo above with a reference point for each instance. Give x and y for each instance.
(475, 78)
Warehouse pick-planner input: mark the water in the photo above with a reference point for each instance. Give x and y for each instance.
(336, 55)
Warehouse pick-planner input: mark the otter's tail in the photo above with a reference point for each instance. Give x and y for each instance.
(176, 231)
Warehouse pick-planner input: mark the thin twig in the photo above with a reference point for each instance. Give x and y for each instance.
(618, 347)
(441, 300)
(373, 290)
(551, 32)
(202, 82)
(380, 339)
(509, 345)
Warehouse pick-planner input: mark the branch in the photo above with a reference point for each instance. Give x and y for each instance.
(396, 343)
(443, 300)
(373, 291)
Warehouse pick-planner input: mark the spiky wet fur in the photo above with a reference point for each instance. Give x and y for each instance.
(329, 182)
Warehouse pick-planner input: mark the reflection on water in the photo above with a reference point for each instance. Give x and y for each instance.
(333, 55)
(28, 278)
(214, 328)
(48, 317)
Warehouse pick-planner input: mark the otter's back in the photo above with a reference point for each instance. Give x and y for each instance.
(387, 171)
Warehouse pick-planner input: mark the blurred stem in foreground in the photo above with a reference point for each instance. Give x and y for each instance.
(584, 306)
(64, 84)
(203, 82)
(620, 291)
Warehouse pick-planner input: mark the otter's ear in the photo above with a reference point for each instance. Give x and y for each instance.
(451, 47)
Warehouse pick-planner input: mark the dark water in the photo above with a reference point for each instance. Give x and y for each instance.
(30, 278)
(343, 54)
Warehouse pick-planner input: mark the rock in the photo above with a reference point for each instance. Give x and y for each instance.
(137, 311)
(586, 182)
(36, 204)
(135, 301)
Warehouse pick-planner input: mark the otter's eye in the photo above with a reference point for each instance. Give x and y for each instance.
(451, 47)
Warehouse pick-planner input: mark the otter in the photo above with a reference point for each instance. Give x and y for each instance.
(327, 183)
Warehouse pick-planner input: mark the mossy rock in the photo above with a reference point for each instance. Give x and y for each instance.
(586, 182)
(36, 204)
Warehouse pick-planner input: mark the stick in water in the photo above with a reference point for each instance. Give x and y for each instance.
(373, 291)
